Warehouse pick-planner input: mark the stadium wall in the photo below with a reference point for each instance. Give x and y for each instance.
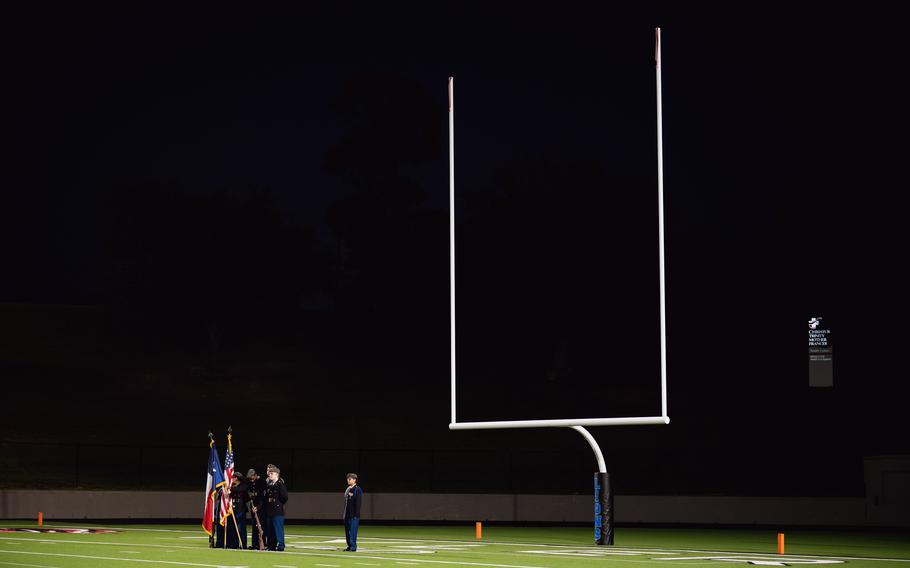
(424, 507)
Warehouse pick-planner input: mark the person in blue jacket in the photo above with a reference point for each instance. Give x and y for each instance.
(353, 497)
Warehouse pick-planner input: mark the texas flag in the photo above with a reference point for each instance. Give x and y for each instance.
(214, 480)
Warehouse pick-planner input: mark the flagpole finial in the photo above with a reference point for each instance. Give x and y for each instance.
(211, 439)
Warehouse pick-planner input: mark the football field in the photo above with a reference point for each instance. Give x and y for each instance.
(450, 546)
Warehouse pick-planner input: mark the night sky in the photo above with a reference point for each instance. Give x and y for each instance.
(229, 224)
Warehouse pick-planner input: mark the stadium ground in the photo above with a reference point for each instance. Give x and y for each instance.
(450, 546)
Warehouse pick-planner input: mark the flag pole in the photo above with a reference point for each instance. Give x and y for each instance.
(230, 500)
(211, 534)
(236, 528)
(227, 488)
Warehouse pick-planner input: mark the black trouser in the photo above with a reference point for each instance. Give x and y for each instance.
(232, 531)
(219, 534)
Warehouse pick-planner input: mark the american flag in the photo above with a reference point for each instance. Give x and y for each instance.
(226, 508)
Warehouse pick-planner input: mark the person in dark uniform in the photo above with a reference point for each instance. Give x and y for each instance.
(239, 501)
(276, 496)
(353, 496)
(255, 487)
(219, 528)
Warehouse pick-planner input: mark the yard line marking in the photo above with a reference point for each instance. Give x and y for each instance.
(123, 559)
(805, 557)
(388, 539)
(330, 565)
(420, 561)
(760, 560)
(68, 541)
(30, 565)
(308, 547)
(130, 552)
(77, 525)
(367, 564)
(590, 552)
(390, 550)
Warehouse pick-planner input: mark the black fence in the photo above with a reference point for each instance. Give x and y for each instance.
(179, 468)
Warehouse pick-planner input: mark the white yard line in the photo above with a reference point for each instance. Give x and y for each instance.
(116, 528)
(416, 561)
(498, 543)
(286, 552)
(74, 541)
(114, 558)
(29, 565)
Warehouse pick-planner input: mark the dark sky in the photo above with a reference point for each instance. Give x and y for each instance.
(247, 201)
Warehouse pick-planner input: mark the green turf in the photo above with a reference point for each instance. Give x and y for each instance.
(454, 546)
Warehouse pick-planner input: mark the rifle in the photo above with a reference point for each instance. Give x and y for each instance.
(258, 527)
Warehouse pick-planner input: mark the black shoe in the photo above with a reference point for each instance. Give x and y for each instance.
(348, 549)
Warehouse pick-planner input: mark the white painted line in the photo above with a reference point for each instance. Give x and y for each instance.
(122, 559)
(524, 544)
(29, 565)
(590, 552)
(395, 551)
(130, 552)
(119, 528)
(330, 565)
(417, 561)
(73, 541)
(758, 559)
(311, 547)
(366, 564)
